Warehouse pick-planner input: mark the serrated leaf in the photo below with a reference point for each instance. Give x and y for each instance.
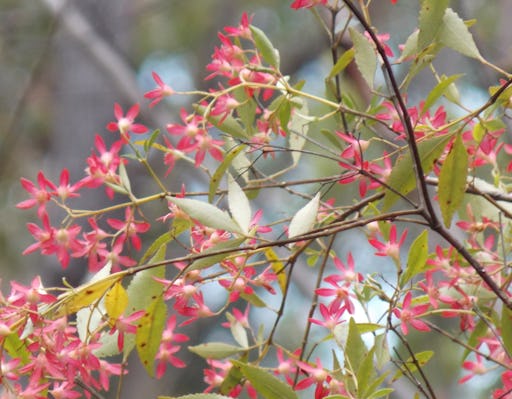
(266, 384)
(438, 91)
(365, 56)
(216, 350)
(430, 21)
(455, 34)
(305, 218)
(417, 258)
(278, 268)
(206, 213)
(452, 180)
(403, 178)
(116, 301)
(239, 205)
(208, 261)
(265, 47)
(342, 63)
(221, 170)
(149, 333)
(410, 48)
(227, 124)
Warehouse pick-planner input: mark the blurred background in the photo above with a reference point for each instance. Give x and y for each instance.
(63, 64)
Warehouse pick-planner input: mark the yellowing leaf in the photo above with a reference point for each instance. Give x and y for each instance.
(116, 301)
(452, 180)
(277, 267)
(149, 333)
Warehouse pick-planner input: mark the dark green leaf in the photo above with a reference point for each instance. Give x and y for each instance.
(417, 258)
(342, 63)
(265, 47)
(221, 170)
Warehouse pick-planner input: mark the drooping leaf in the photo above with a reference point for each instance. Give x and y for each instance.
(440, 89)
(430, 21)
(266, 384)
(149, 333)
(455, 34)
(116, 301)
(403, 178)
(366, 58)
(417, 258)
(224, 246)
(342, 63)
(452, 180)
(265, 47)
(299, 127)
(223, 167)
(216, 350)
(305, 218)
(206, 213)
(239, 205)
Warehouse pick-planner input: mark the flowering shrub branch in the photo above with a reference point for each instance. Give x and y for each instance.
(412, 175)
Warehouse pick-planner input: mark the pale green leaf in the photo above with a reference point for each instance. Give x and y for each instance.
(355, 349)
(228, 124)
(266, 384)
(265, 47)
(149, 333)
(233, 152)
(366, 374)
(366, 58)
(197, 396)
(382, 356)
(123, 176)
(452, 180)
(305, 218)
(422, 358)
(381, 393)
(417, 258)
(216, 350)
(430, 21)
(238, 331)
(239, 205)
(206, 213)
(506, 328)
(455, 34)
(299, 127)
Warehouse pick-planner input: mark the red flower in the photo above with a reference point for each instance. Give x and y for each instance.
(125, 123)
(306, 3)
(40, 195)
(409, 315)
(160, 92)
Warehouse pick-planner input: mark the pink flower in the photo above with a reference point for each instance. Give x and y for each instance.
(129, 228)
(40, 195)
(160, 92)
(125, 123)
(307, 3)
(408, 315)
(390, 248)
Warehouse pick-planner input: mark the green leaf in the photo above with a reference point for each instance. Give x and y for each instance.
(253, 299)
(403, 178)
(16, 348)
(381, 350)
(206, 213)
(473, 341)
(149, 142)
(421, 357)
(215, 350)
(342, 63)
(239, 205)
(125, 180)
(430, 21)
(366, 58)
(355, 349)
(265, 47)
(381, 393)
(156, 245)
(208, 261)
(221, 170)
(410, 47)
(452, 180)
(149, 333)
(364, 328)
(227, 124)
(438, 91)
(267, 385)
(455, 34)
(366, 374)
(417, 259)
(506, 328)
(237, 331)
(305, 218)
